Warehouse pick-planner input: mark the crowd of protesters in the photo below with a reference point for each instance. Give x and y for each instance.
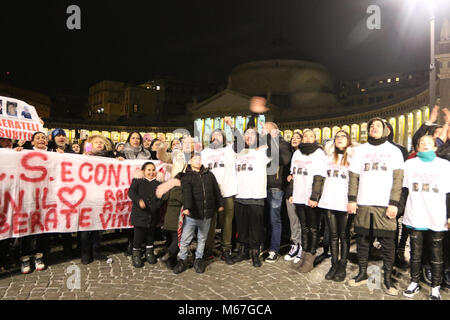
(262, 192)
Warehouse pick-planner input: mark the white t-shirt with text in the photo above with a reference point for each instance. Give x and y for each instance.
(251, 170)
(303, 169)
(427, 183)
(375, 166)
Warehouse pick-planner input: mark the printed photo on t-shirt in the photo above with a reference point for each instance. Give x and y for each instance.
(375, 166)
(343, 175)
(299, 170)
(244, 167)
(383, 167)
(215, 164)
(250, 168)
(366, 166)
(221, 165)
(415, 187)
(435, 189)
(329, 173)
(305, 172)
(294, 171)
(238, 167)
(335, 173)
(426, 187)
(210, 165)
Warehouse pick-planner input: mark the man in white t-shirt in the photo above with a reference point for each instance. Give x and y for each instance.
(376, 176)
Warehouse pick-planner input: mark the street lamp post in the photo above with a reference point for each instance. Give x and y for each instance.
(432, 58)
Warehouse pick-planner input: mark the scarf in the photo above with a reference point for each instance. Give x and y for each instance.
(139, 152)
(376, 142)
(427, 156)
(308, 148)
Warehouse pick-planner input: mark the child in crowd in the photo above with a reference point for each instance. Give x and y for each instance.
(144, 214)
(428, 181)
(201, 197)
(95, 145)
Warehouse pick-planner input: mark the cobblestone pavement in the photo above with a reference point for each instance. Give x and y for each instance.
(119, 280)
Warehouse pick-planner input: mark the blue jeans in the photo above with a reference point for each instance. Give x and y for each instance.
(189, 226)
(275, 199)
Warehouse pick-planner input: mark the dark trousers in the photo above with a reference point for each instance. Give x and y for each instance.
(435, 250)
(339, 233)
(401, 244)
(250, 224)
(38, 243)
(172, 242)
(143, 235)
(387, 250)
(90, 241)
(309, 221)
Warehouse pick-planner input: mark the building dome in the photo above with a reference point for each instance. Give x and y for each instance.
(294, 84)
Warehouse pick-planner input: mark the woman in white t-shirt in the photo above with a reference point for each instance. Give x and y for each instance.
(428, 181)
(334, 201)
(251, 167)
(308, 171)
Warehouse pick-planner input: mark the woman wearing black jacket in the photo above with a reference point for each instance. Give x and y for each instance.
(144, 214)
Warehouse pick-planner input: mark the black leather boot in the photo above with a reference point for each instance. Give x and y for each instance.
(242, 255)
(388, 286)
(226, 256)
(361, 277)
(129, 249)
(150, 256)
(332, 272)
(254, 253)
(341, 272)
(137, 259)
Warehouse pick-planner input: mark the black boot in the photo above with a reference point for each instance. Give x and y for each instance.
(129, 249)
(150, 256)
(226, 256)
(254, 253)
(341, 272)
(388, 286)
(137, 259)
(242, 255)
(332, 272)
(361, 277)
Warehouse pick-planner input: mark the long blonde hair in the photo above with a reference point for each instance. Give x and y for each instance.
(108, 146)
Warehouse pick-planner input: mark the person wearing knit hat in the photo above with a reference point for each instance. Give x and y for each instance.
(375, 185)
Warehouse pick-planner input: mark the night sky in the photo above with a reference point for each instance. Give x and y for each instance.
(134, 41)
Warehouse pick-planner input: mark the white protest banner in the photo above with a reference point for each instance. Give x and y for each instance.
(45, 192)
(18, 120)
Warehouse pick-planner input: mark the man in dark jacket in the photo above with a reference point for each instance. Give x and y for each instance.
(201, 198)
(277, 171)
(59, 141)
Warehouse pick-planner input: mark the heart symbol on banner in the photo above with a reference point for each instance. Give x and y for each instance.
(70, 191)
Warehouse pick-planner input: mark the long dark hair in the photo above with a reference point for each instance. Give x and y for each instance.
(344, 160)
(290, 142)
(140, 137)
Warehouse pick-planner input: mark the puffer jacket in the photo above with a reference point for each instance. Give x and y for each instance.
(201, 193)
(143, 189)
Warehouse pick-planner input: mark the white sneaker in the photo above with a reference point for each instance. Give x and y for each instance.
(292, 253)
(39, 264)
(25, 265)
(412, 290)
(435, 294)
(299, 255)
(273, 256)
